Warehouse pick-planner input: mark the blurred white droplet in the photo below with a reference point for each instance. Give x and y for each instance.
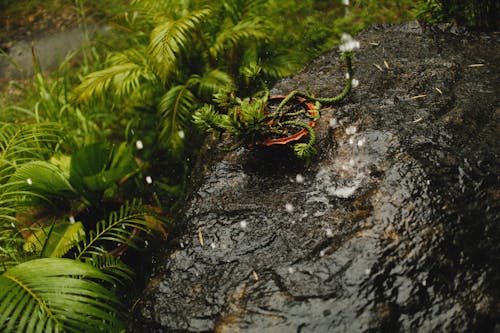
(333, 123)
(351, 141)
(299, 178)
(139, 145)
(322, 253)
(368, 271)
(243, 224)
(348, 43)
(29, 181)
(345, 2)
(146, 243)
(347, 76)
(361, 142)
(329, 232)
(289, 207)
(149, 180)
(291, 270)
(212, 245)
(354, 83)
(181, 134)
(351, 130)
(72, 219)
(182, 245)
(12, 225)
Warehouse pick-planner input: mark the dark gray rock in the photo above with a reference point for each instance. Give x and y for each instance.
(394, 226)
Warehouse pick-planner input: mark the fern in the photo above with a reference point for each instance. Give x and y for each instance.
(212, 82)
(120, 228)
(22, 143)
(55, 240)
(112, 266)
(174, 109)
(169, 41)
(232, 37)
(57, 295)
(127, 71)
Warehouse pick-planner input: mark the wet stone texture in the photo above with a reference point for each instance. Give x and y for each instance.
(394, 227)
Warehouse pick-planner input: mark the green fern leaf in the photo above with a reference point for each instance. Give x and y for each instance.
(23, 143)
(112, 266)
(212, 82)
(55, 240)
(120, 228)
(44, 181)
(233, 37)
(175, 108)
(169, 41)
(57, 295)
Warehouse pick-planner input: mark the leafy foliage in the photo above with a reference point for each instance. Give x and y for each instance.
(252, 121)
(54, 295)
(120, 228)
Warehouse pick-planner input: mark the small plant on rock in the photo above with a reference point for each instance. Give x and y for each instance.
(272, 120)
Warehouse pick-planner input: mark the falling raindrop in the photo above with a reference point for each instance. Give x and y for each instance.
(291, 270)
(243, 224)
(149, 180)
(72, 219)
(181, 134)
(289, 207)
(212, 245)
(299, 178)
(139, 145)
(333, 122)
(368, 271)
(351, 130)
(355, 83)
(329, 232)
(361, 142)
(322, 253)
(29, 181)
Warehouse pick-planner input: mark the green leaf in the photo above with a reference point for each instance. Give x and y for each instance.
(55, 295)
(43, 180)
(55, 240)
(96, 167)
(170, 40)
(175, 108)
(121, 227)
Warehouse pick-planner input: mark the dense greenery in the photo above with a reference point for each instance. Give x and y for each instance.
(94, 155)
(479, 14)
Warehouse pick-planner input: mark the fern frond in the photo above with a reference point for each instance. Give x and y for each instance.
(170, 40)
(22, 143)
(232, 37)
(174, 109)
(124, 77)
(54, 240)
(112, 266)
(120, 228)
(207, 119)
(212, 82)
(57, 295)
(42, 180)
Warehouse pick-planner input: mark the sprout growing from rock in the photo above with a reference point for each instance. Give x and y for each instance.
(258, 121)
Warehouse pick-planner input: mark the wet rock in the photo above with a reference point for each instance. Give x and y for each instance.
(394, 226)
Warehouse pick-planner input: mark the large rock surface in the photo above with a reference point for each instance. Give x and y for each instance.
(394, 226)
